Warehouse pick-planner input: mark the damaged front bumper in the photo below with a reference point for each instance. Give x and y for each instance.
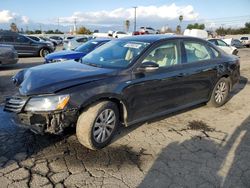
(53, 122)
(41, 123)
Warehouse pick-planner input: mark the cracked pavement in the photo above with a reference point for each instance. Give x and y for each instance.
(198, 147)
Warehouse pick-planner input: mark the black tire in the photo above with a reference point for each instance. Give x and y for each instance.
(43, 52)
(89, 124)
(55, 44)
(219, 94)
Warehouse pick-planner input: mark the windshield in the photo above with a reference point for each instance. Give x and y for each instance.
(115, 54)
(88, 46)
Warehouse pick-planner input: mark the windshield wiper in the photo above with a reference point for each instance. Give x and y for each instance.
(92, 64)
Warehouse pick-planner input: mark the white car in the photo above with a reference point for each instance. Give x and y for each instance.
(200, 33)
(148, 30)
(68, 38)
(75, 42)
(245, 41)
(233, 42)
(224, 46)
(120, 34)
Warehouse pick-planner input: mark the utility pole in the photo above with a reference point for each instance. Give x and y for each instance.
(75, 29)
(40, 26)
(58, 24)
(135, 19)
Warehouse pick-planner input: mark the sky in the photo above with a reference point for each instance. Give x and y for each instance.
(111, 14)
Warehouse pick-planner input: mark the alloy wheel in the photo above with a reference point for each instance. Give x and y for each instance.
(221, 92)
(104, 125)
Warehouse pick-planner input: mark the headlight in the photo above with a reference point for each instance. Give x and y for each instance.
(58, 60)
(48, 103)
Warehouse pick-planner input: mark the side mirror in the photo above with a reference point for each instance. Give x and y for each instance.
(148, 66)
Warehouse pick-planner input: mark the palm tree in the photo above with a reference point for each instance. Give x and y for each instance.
(13, 27)
(180, 19)
(127, 25)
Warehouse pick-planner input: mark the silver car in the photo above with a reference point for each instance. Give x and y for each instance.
(8, 55)
(75, 42)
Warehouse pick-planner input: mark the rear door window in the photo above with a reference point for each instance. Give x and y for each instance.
(221, 43)
(196, 51)
(164, 55)
(213, 42)
(7, 39)
(22, 39)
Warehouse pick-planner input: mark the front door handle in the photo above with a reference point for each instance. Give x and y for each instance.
(182, 75)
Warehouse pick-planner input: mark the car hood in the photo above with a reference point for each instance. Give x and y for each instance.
(50, 78)
(65, 54)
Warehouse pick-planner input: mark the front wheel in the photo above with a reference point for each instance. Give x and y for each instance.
(97, 125)
(220, 93)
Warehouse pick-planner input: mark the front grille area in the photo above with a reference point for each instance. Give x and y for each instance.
(14, 104)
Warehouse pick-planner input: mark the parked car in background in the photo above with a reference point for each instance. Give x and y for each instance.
(224, 46)
(24, 45)
(68, 38)
(76, 54)
(200, 33)
(75, 42)
(120, 34)
(123, 82)
(148, 30)
(145, 30)
(245, 41)
(49, 40)
(57, 39)
(8, 55)
(40, 39)
(233, 42)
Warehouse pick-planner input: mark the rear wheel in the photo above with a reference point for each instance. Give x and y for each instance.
(97, 126)
(43, 52)
(220, 93)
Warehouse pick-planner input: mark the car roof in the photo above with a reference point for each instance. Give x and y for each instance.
(154, 38)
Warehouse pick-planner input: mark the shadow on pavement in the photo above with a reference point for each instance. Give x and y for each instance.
(18, 144)
(16, 141)
(202, 162)
(239, 87)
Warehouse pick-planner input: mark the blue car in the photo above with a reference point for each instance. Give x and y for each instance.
(76, 54)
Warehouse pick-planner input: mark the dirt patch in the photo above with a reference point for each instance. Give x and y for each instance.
(199, 125)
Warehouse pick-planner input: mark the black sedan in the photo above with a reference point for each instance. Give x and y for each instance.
(125, 81)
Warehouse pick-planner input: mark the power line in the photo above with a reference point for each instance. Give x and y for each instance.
(231, 17)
